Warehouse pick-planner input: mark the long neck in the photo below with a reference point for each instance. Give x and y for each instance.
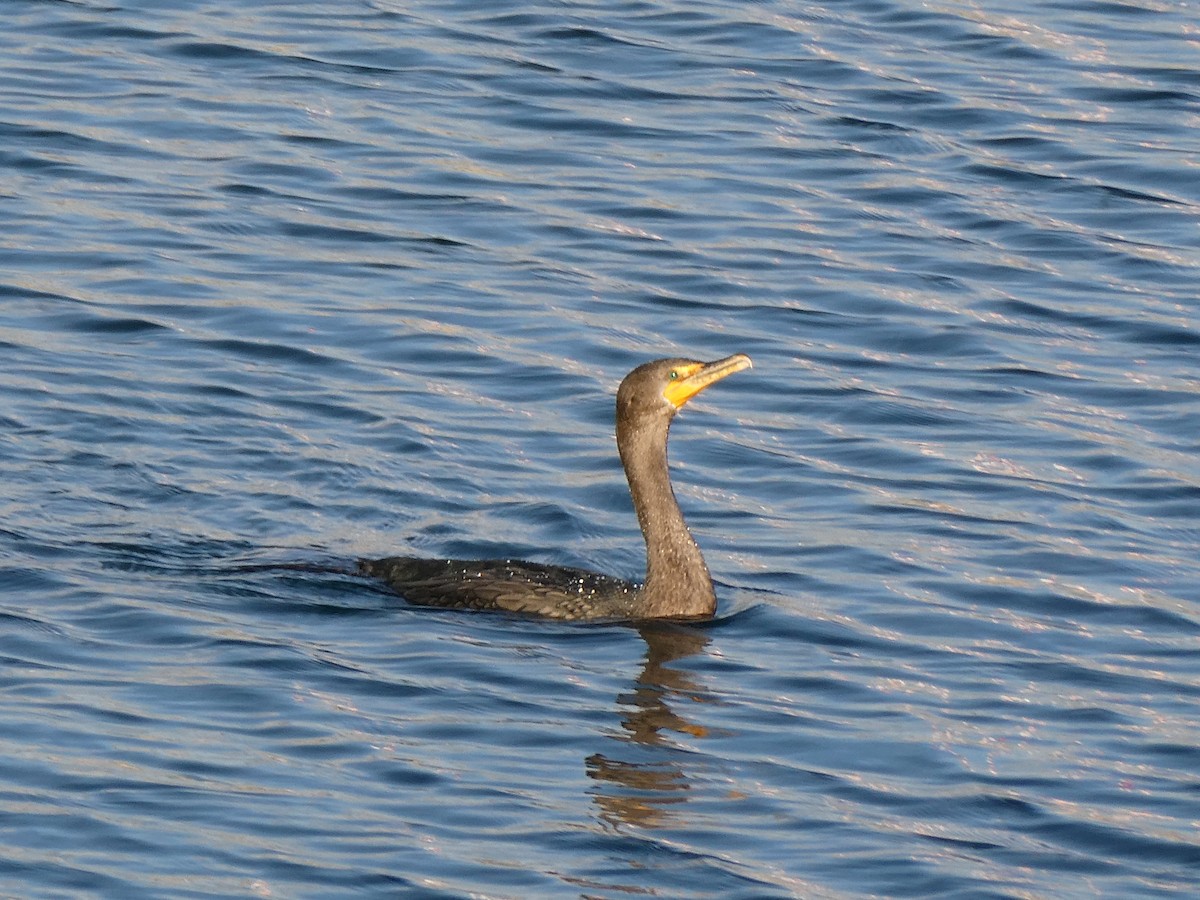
(677, 580)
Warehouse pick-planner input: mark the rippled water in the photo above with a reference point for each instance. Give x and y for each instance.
(301, 282)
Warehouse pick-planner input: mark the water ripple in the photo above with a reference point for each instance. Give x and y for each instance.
(294, 284)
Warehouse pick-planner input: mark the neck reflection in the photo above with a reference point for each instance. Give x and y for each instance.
(647, 785)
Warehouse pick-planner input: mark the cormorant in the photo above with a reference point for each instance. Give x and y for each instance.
(677, 582)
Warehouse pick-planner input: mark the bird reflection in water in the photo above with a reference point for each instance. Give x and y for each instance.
(641, 787)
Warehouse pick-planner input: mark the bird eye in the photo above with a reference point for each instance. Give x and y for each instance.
(673, 375)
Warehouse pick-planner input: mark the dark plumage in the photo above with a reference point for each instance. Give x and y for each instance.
(677, 581)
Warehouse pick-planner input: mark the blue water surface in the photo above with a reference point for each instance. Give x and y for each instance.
(303, 282)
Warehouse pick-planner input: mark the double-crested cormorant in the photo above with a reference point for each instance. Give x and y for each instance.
(677, 580)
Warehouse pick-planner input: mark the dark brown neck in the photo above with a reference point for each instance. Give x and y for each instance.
(677, 580)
